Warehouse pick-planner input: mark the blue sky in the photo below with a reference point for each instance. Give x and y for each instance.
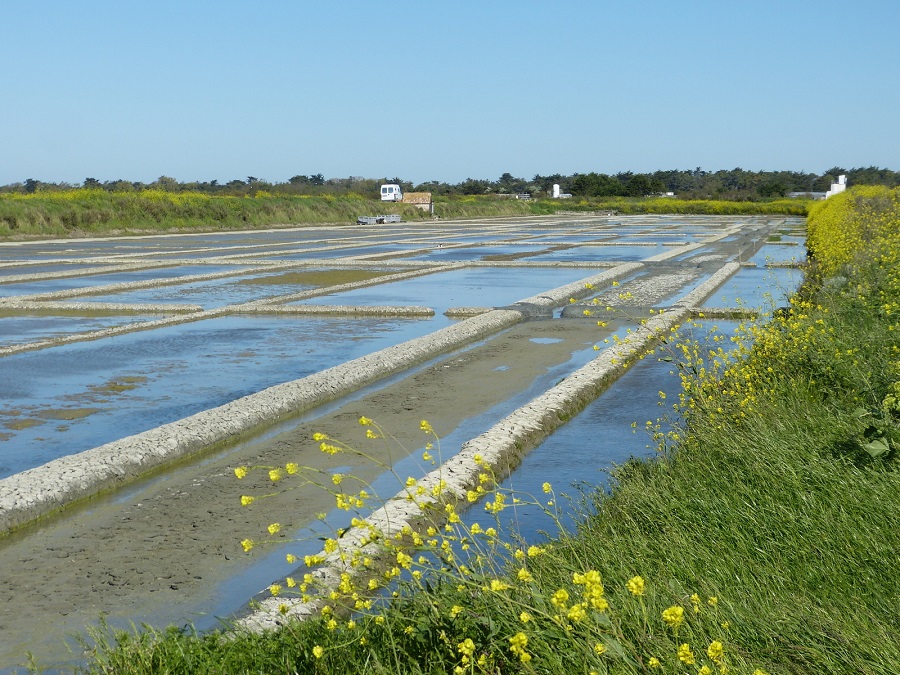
(445, 91)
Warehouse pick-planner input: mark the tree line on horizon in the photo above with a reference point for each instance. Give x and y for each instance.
(733, 184)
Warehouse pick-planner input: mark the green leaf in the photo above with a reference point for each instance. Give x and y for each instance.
(877, 448)
(602, 619)
(614, 646)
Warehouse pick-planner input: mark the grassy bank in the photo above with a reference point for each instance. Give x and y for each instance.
(630, 206)
(86, 212)
(762, 539)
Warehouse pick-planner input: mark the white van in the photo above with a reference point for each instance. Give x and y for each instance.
(390, 192)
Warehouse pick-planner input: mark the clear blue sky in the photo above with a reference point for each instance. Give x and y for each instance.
(426, 90)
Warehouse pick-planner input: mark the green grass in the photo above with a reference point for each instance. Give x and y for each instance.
(83, 212)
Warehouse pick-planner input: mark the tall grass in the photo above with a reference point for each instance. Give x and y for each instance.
(95, 212)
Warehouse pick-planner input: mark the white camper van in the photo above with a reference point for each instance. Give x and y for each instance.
(390, 192)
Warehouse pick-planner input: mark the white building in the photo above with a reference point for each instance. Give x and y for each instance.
(837, 188)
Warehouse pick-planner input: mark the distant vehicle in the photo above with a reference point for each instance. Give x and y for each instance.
(391, 192)
(378, 220)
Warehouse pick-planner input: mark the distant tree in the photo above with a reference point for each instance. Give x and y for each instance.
(435, 187)
(473, 186)
(92, 183)
(598, 185)
(31, 185)
(772, 188)
(507, 183)
(166, 183)
(118, 186)
(641, 185)
(313, 179)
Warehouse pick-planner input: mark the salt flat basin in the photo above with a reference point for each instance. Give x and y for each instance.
(90, 280)
(166, 548)
(478, 286)
(180, 370)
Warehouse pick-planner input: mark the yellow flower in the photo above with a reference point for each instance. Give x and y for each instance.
(247, 500)
(320, 436)
(695, 601)
(455, 611)
(427, 456)
(674, 616)
(425, 426)
(525, 576)
(547, 488)
(517, 644)
(525, 617)
(685, 655)
(713, 601)
(365, 421)
(371, 434)
(318, 651)
(274, 528)
(497, 585)
(275, 590)
(337, 478)
(241, 471)
(599, 603)
(291, 468)
(291, 558)
(466, 647)
(275, 475)
(599, 649)
(560, 598)
(716, 651)
(247, 544)
(576, 613)
(636, 585)
(653, 662)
